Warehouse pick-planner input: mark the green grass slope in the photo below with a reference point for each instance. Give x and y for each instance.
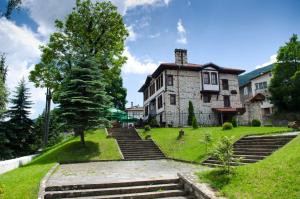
(24, 181)
(191, 146)
(276, 177)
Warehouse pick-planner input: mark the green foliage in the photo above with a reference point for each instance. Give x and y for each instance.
(207, 140)
(56, 129)
(180, 134)
(285, 83)
(94, 31)
(3, 90)
(227, 126)
(147, 128)
(191, 113)
(224, 152)
(19, 127)
(234, 122)
(82, 98)
(152, 121)
(255, 122)
(195, 123)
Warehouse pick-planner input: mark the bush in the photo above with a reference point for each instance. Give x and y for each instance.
(195, 123)
(256, 122)
(294, 125)
(191, 113)
(180, 135)
(234, 122)
(227, 126)
(147, 128)
(153, 122)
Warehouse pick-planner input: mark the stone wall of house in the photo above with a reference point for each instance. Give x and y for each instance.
(253, 111)
(190, 86)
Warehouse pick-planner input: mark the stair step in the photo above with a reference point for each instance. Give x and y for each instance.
(110, 191)
(148, 195)
(218, 162)
(113, 185)
(257, 157)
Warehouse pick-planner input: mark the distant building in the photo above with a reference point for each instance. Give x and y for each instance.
(213, 90)
(254, 95)
(135, 111)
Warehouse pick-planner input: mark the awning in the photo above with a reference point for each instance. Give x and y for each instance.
(258, 97)
(229, 110)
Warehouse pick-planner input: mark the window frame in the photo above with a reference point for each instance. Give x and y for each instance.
(159, 102)
(225, 87)
(208, 97)
(226, 97)
(170, 83)
(215, 75)
(172, 96)
(208, 78)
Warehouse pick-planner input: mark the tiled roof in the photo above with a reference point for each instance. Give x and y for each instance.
(246, 78)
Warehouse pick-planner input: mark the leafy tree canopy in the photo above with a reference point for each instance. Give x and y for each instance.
(285, 84)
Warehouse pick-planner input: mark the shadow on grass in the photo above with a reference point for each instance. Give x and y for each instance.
(216, 178)
(69, 152)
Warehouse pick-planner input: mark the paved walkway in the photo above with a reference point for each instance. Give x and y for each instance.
(119, 171)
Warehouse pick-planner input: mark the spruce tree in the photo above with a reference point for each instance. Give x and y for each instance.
(20, 126)
(191, 113)
(82, 98)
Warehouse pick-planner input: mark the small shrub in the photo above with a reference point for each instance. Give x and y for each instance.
(180, 135)
(207, 139)
(227, 126)
(224, 153)
(147, 127)
(234, 122)
(195, 123)
(153, 122)
(148, 137)
(256, 122)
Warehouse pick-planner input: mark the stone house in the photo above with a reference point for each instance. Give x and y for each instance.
(136, 111)
(213, 90)
(254, 95)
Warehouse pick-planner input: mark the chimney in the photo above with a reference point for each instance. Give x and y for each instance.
(180, 56)
(131, 104)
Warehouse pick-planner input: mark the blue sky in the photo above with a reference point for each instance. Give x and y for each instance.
(233, 33)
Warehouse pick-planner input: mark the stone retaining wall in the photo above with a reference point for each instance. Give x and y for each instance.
(8, 165)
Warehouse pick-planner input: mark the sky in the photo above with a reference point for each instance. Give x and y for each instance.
(233, 33)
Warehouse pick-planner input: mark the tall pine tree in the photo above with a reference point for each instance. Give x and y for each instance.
(20, 127)
(82, 98)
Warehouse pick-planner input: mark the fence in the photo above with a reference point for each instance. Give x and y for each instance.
(8, 165)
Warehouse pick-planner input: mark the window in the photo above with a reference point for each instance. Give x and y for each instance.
(206, 98)
(172, 99)
(245, 90)
(152, 89)
(146, 110)
(214, 79)
(225, 85)
(206, 79)
(267, 111)
(159, 82)
(170, 80)
(159, 102)
(261, 85)
(146, 94)
(226, 100)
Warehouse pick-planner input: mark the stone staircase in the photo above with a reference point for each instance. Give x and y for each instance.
(251, 149)
(164, 188)
(133, 147)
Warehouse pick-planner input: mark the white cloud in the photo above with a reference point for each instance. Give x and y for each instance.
(154, 35)
(136, 66)
(132, 34)
(21, 47)
(181, 33)
(271, 61)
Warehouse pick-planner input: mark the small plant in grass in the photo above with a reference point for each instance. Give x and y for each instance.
(227, 126)
(147, 128)
(207, 140)
(180, 135)
(148, 136)
(256, 122)
(224, 153)
(234, 122)
(195, 123)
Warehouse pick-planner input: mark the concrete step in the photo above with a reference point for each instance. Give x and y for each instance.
(113, 184)
(259, 153)
(253, 149)
(111, 191)
(262, 142)
(219, 162)
(244, 160)
(270, 146)
(256, 157)
(148, 195)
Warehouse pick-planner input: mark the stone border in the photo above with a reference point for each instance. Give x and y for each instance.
(200, 190)
(44, 181)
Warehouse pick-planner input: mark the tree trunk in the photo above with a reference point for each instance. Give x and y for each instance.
(47, 117)
(82, 138)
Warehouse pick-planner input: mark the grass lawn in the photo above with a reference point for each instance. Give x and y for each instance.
(276, 177)
(191, 146)
(24, 181)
